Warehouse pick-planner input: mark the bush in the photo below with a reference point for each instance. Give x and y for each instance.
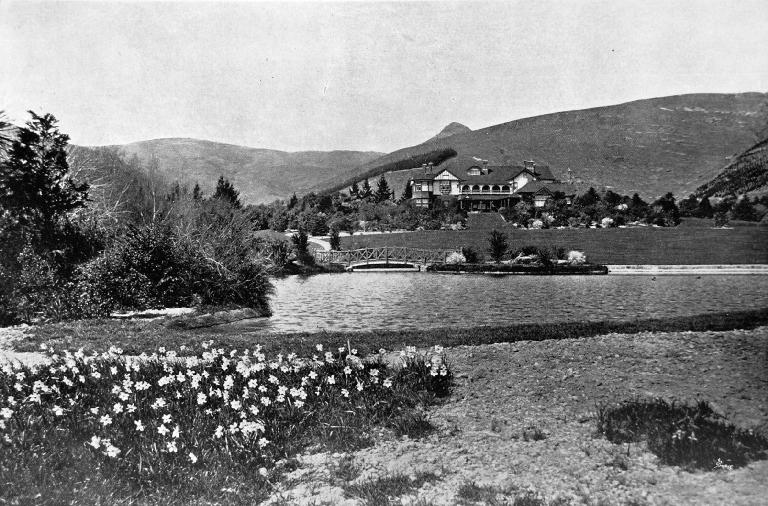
(470, 255)
(455, 258)
(694, 437)
(576, 258)
(497, 245)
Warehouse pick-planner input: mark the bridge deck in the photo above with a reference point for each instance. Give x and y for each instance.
(383, 256)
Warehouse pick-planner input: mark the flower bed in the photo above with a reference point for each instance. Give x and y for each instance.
(160, 420)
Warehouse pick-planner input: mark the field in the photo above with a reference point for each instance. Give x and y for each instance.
(683, 245)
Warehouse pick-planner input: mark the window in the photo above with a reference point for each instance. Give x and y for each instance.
(474, 171)
(505, 189)
(496, 188)
(465, 188)
(425, 187)
(486, 189)
(476, 188)
(445, 187)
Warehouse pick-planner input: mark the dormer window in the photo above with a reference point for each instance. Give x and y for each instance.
(473, 171)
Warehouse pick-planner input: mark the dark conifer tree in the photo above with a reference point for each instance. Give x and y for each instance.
(354, 190)
(366, 190)
(226, 191)
(383, 193)
(36, 186)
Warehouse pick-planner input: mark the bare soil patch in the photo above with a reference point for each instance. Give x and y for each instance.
(521, 424)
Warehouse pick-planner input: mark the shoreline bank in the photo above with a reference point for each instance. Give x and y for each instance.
(741, 269)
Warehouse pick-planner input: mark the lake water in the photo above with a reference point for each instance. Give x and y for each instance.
(411, 300)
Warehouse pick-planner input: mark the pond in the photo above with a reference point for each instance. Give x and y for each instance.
(411, 300)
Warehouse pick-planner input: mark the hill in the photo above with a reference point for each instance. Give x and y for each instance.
(651, 146)
(747, 173)
(451, 129)
(261, 175)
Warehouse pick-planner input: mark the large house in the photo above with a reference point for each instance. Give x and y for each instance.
(482, 187)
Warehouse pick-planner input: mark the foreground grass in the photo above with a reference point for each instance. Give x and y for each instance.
(681, 245)
(137, 336)
(208, 428)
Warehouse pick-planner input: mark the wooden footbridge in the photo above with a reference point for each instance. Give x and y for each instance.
(383, 257)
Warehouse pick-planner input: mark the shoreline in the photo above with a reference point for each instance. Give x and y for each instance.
(650, 269)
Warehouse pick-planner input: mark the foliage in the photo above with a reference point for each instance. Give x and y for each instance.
(226, 192)
(470, 255)
(383, 193)
(36, 186)
(301, 246)
(159, 421)
(497, 245)
(334, 240)
(691, 436)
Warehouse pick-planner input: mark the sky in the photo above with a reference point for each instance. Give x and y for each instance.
(361, 76)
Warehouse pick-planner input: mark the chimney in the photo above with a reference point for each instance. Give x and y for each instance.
(530, 164)
(485, 167)
(424, 166)
(430, 167)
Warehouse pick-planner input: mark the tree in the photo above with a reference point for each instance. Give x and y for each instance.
(36, 186)
(301, 246)
(366, 190)
(334, 239)
(354, 190)
(590, 198)
(744, 210)
(497, 245)
(226, 191)
(293, 201)
(689, 206)
(383, 193)
(407, 192)
(704, 209)
(197, 193)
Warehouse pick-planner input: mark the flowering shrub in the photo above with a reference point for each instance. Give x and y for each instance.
(576, 257)
(164, 416)
(455, 258)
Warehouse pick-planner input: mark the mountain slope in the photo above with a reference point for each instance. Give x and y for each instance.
(261, 175)
(649, 146)
(747, 173)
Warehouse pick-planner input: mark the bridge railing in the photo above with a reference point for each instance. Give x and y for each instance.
(386, 254)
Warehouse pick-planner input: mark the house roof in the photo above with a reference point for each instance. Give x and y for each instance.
(544, 187)
(497, 174)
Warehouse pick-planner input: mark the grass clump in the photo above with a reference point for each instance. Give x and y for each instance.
(209, 427)
(694, 437)
(384, 491)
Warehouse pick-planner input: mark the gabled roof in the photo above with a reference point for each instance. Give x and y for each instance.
(497, 174)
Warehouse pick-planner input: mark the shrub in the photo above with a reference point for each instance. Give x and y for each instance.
(576, 258)
(455, 258)
(691, 436)
(470, 255)
(301, 246)
(334, 239)
(497, 245)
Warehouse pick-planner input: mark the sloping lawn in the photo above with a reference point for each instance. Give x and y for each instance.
(633, 246)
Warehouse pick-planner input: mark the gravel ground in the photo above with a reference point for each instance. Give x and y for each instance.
(504, 391)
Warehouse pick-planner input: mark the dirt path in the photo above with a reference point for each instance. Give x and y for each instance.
(506, 392)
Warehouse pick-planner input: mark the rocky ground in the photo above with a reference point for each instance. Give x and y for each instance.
(521, 420)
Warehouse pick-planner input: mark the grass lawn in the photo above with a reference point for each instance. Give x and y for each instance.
(136, 336)
(683, 245)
